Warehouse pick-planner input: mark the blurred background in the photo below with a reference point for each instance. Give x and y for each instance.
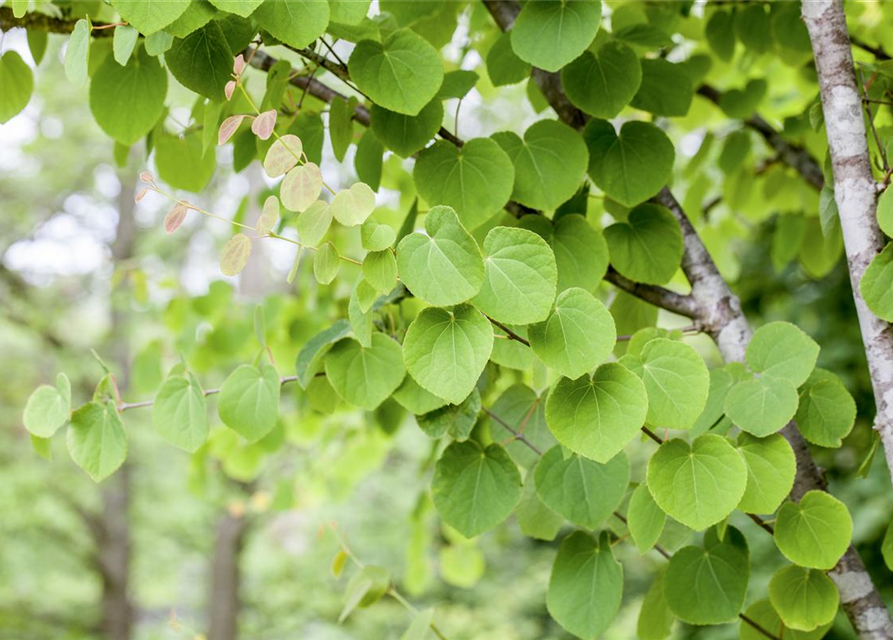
(232, 542)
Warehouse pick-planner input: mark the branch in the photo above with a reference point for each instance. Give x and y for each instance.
(42, 22)
(684, 305)
(791, 154)
(855, 192)
(127, 406)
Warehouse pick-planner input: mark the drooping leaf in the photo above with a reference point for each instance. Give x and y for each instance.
(444, 266)
(666, 89)
(96, 439)
(814, 532)
(249, 401)
(771, 467)
(445, 350)
(644, 518)
(180, 413)
(503, 65)
(535, 519)
(77, 57)
(453, 420)
(182, 162)
(765, 615)
(648, 246)
(700, 483)
(586, 585)
(407, 134)
(632, 166)
(520, 276)
(202, 61)
(128, 100)
(365, 588)
(583, 491)
(365, 376)
(475, 179)
(804, 599)
(578, 335)
(401, 74)
(310, 357)
(598, 414)
(655, 618)
(601, 84)
(549, 35)
(475, 489)
(550, 162)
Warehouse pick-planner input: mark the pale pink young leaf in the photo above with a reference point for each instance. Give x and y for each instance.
(269, 216)
(228, 128)
(264, 124)
(140, 195)
(235, 254)
(147, 177)
(229, 89)
(301, 187)
(175, 217)
(283, 155)
(238, 65)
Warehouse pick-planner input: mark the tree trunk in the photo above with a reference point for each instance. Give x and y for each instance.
(224, 601)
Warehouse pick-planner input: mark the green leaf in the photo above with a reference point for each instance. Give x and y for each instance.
(149, 16)
(771, 467)
(294, 22)
(753, 28)
(401, 74)
(550, 162)
(523, 410)
(195, 17)
(380, 270)
(351, 207)
(420, 626)
(885, 211)
(368, 160)
(309, 360)
(454, 420)
(457, 84)
(504, 66)
(578, 334)
(444, 266)
(581, 252)
(586, 585)
(249, 401)
(644, 519)
(827, 412)
(376, 236)
(243, 8)
(583, 491)
(340, 127)
(603, 83)
(37, 44)
(720, 33)
(761, 406)
(876, 285)
(202, 61)
(815, 532)
(415, 399)
(475, 489)
(707, 585)
(887, 547)
(648, 246)
(655, 618)
(781, 350)
(535, 519)
(520, 276)
(475, 179)
(365, 588)
(48, 408)
(446, 350)
(597, 415)
(77, 55)
(700, 483)
(764, 615)
(630, 167)
(666, 89)
(548, 35)
(313, 223)
(128, 101)
(124, 41)
(804, 598)
(349, 12)
(407, 134)
(182, 162)
(360, 320)
(677, 382)
(180, 413)
(96, 439)
(365, 376)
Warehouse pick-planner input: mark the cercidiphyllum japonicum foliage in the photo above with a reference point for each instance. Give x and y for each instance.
(481, 311)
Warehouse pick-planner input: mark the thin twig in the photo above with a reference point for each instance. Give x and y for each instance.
(127, 406)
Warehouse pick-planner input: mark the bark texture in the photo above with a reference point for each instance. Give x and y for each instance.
(224, 602)
(855, 192)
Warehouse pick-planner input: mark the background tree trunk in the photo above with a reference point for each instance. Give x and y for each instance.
(224, 601)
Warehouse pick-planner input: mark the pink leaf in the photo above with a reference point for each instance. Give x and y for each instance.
(229, 89)
(238, 65)
(142, 194)
(147, 177)
(264, 124)
(283, 155)
(175, 217)
(235, 254)
(301, 187)
(228, 128)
